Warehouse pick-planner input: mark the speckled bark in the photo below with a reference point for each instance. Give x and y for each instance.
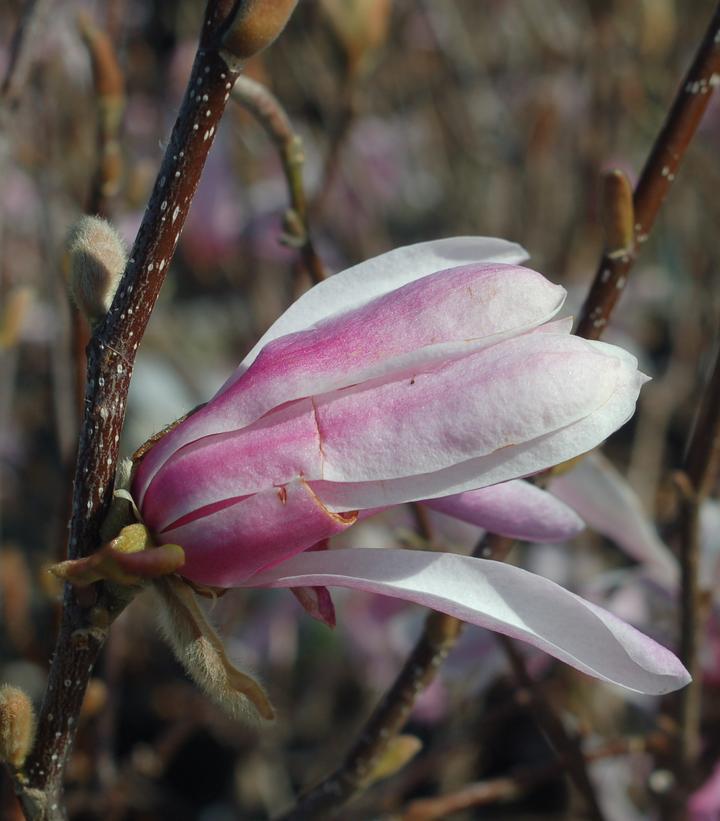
(111, 354)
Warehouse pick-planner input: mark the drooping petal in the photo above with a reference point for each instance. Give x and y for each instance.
(516, 509)
(499, 597)
(513, 461)
(238, 539)
(597, 491)
(443, 316)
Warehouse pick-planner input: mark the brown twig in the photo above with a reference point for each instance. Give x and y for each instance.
(33, 17)
(438, 637)
(566, 746)
(510, 788)
(700, 470)
(111, 355)
(268, 111)
(658, 174)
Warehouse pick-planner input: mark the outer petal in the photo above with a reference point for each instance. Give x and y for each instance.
(506, 463)
(500, 597)
(596, 490)
(440, 317)
(234, 541)
(517, 509)
(381, 274)
(489, 403)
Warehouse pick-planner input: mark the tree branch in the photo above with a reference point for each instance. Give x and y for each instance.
(268, 111)
(658, 174)
(111, 354)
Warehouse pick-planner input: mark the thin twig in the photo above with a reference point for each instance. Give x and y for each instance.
(658, 174)
(515, 786)
(566, 746)
(268, 111)
(438, 637)
(33, 17)
(111, 355)
(700, 470)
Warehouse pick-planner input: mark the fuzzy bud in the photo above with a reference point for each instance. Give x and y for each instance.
(97, 261)
(17, 725)
(256, 25)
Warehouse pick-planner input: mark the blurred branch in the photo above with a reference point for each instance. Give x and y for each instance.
(658, 174)
(515, 786)
(111, 353)
(110, 90)
(700, 470)
(268, 111)
(21, 47)
(566, 746)
(438, 637)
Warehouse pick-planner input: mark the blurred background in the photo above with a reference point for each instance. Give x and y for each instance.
(418, 120)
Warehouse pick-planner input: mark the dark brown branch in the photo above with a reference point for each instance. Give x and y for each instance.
(438, 637)
(111, 354)
(700, 470)
(658, 174)
(268, 111)
(33, 18)
(512, 787)
(566, 746)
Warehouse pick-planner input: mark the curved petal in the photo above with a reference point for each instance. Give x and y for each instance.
(501, 465)
(379, 275)
(499, 597)
(597, 491)
(239, 538)
(516, 509)
(495, 405)
(434, 319)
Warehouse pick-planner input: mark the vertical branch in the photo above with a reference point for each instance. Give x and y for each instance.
(566, 746)
(700, 470)
(20, 57)
(440, 634)
(658, 174)
(111, 354)
(268, 111)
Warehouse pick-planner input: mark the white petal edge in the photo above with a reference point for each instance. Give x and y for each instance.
(499, 597)
(379, 275)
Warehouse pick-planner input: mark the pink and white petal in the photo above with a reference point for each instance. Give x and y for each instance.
(507, 463)
(316, 602)
(490, 402)
(278, 448)
(233, 541)
(516, 509)
(598, 492)
(443, 316)
(499, 597)
(379, 275)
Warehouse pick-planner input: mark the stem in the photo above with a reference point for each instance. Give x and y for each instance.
(438, 637)
(659, 172)
(268, 111)
(111, 354)
(700, 470)
(566, 746)
(33, 18)
(510, 788)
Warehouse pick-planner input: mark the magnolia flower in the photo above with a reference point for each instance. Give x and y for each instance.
(430, 373)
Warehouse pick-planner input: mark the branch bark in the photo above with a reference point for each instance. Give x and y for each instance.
(111, 355)
(657, 176)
